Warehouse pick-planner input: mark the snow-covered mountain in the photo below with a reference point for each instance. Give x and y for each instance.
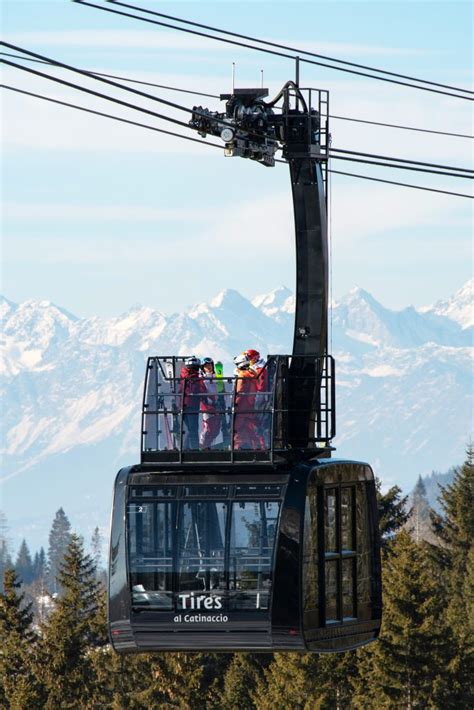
(71, 389)
(459, 308)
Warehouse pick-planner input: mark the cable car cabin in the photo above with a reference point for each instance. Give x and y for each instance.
(247, 539)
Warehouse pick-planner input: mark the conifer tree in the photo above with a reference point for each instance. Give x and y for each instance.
(24, 564)
(240, 683)
(5, 559)
(39, 565)
(409, 666)
(419, 521)
(393, 513)
(454, 555)
(19, 686)
(71, 631)
(182, 680)
(59, 537)
(96, 548)
(289, 683)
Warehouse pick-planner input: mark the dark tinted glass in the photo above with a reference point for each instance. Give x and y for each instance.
(250, 490)
(331, 591)
(150, 528)
(347, 518)
(201, 543)
(206, 491)
(348, 601)
(364, 606)
(252, 539)
(154, 491)
(310, 560)
(330, 529)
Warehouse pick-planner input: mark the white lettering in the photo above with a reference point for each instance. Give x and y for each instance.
(200, 618)
(189, 601)
(183, 600)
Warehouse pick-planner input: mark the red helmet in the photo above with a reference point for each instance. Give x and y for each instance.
(253, 354)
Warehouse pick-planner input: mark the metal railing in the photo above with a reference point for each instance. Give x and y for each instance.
(236, 418)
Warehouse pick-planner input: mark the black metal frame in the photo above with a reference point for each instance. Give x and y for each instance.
(282, 441)
(308, 382)
(282, 625)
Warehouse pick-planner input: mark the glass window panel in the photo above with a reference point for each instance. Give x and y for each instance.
(347, 518)
(150, 527)
(207, 491)
(330, 530)
(201, 542)
(153, 491)
(364, 607)
(348, 601)
(310, 554)
(252, 539)
(249, 490)
(330, 569)
(161, 422)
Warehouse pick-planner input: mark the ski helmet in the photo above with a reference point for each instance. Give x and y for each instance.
(192, 361)
(253, 354)
(207, 361)
(242, 361)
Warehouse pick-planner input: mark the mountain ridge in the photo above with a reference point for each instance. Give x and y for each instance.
(72, 386)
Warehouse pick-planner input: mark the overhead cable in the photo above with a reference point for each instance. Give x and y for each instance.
(216, 96)
(108, 115)
(115, 84)
(96, 93)
(115, 76)
(401, 160)
(269, 51)
(404, 184)
(284, 46)
(186, 125)
(404, 128)
(215, 145)
(401, 167)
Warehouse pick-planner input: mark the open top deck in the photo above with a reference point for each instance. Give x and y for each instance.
(232, 419)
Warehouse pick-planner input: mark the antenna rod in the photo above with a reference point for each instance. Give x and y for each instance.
(261, 78)
(233, 76)
(297, 80)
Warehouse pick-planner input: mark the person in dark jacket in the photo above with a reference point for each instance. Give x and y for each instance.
(193, 391)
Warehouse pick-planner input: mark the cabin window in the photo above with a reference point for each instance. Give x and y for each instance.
(201, 546)
(336, 555)
(151, 553)
(207, 546)
(252, 540)
(339, 553)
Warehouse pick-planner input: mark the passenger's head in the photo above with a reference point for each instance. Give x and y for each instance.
(207, 364)
(192, 364)
(253, 355)
(242, 361)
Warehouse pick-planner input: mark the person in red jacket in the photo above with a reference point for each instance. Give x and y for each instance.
(263, 399)
(245, 428)
(193, 390)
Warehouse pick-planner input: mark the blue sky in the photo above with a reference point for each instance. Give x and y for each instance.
(98, 216)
